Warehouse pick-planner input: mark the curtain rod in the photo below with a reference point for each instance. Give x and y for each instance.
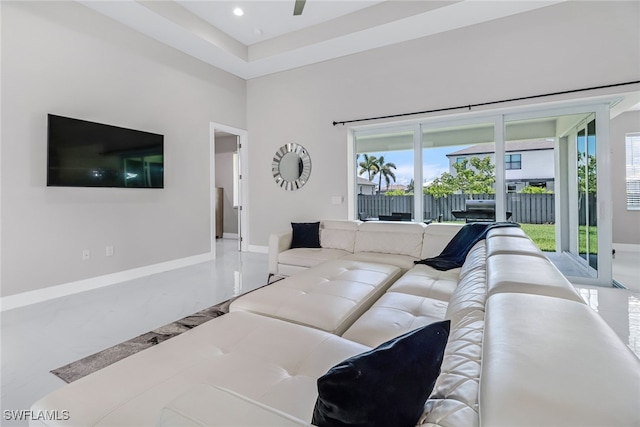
(437, 110)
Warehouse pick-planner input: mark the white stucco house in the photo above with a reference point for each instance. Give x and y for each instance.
(527, 163)
(365, 186)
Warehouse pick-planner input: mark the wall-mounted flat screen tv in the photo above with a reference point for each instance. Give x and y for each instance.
(87, 154)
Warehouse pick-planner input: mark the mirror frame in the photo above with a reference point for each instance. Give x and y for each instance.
(303, 154)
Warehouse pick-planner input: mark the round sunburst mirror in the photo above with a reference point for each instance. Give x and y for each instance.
(291, 166)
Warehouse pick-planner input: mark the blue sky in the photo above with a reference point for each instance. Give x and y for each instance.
(434, 163)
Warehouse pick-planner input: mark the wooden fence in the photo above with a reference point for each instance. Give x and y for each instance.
(524, 208)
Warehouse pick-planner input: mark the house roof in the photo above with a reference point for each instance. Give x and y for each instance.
(364, 181)
(528, 145)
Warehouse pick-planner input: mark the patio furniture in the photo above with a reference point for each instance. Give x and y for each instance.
(478, 210)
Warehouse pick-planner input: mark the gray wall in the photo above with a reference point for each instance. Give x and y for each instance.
(566, 46)
(626, 224)
(62, 58)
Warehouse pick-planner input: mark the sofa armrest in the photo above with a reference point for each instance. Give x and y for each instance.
(544, 359)
(278, 242)
(210, 405)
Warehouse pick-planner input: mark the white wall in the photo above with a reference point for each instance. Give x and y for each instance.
(536, 164)
(626, 224)
(534, 53)
(62, 58)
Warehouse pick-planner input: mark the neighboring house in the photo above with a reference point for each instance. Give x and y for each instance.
(364, 186)
(393, 187)
(527, 163)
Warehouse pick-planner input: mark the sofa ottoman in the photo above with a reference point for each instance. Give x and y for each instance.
(329, 296)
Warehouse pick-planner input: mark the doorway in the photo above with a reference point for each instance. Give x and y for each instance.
(228, 193)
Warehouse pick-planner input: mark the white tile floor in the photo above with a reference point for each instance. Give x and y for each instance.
(41, 337)
(45, 336)
(626, 267)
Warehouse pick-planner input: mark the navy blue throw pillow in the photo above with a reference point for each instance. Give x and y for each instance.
(305, 235)
(386, 386)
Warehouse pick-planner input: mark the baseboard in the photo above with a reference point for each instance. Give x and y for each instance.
(259, 249)
(41, 295)
(626, 247)
(230, 236)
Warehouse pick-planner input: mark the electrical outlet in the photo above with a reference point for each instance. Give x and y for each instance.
(86, 254)
(108, 250)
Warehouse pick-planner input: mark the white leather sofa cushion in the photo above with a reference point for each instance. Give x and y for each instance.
(267, 360)
(507, 231)
(404, 262)
(209, 406)
(527, 274)
(330, 296)
(499, 245)
(454, 400)
(551, 361)
(309, 257)
(400, 238)
(448, 413)
(335, 234)
(286, 270)
(278, 242)
(393, 315)
(436, 238)
(425, 281)
(471, 293)
(476, 259)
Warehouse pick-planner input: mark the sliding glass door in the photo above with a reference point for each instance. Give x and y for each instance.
(587, 195)
(546, 169)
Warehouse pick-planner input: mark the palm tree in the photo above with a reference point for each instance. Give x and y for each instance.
(385, 170)
(369, 165)
(411, 187)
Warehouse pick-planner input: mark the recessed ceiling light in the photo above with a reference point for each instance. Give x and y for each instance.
(238, 12)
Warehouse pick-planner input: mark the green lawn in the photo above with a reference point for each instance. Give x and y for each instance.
(544, 235)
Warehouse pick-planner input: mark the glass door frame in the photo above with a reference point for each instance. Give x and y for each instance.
(602, 206)
(353, 133)
(566, 193)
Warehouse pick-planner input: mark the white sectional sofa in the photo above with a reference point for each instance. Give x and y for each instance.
(396, 243)
(523, 348)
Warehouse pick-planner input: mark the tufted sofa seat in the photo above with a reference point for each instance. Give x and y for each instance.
(330, 296)
(265, 360)
(523, 350)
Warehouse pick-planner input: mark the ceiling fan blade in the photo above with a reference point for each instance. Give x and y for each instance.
(297, 9)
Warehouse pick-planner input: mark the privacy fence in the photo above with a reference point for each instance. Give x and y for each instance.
(524, 208)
